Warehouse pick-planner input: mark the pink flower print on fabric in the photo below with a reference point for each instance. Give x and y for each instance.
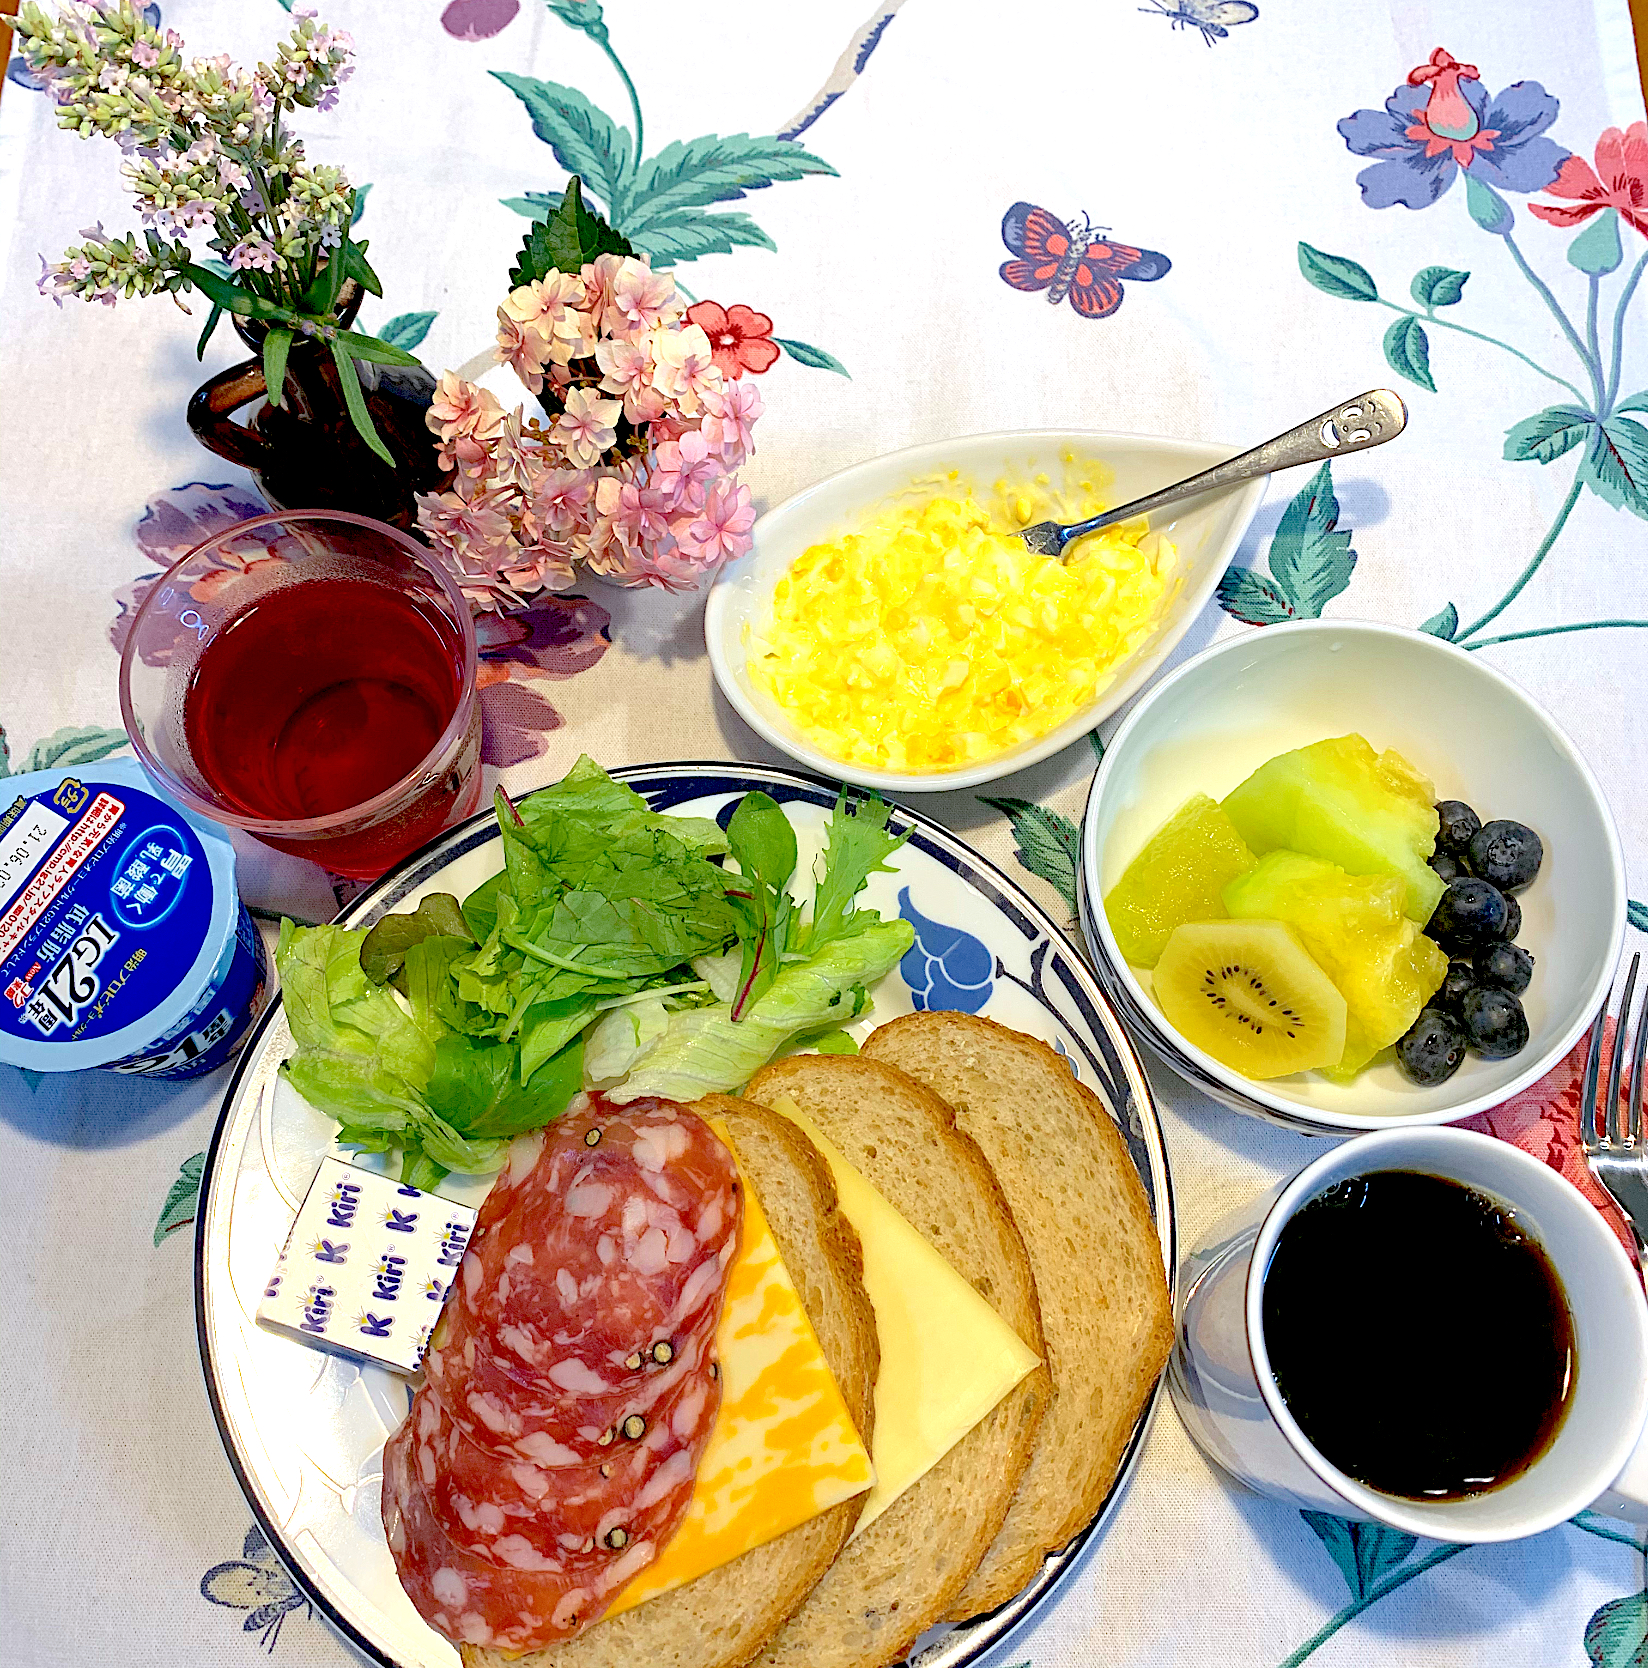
(1544, 1120)
(1443, 119)
(522, 657)
(1619, 181)
(172, 524)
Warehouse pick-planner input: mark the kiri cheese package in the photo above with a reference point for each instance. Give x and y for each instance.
(367, 1266)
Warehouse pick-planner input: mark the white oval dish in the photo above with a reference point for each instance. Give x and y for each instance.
(304, 1430)
(1474, 732)
(1205, 531)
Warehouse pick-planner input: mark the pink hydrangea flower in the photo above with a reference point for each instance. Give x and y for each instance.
(476, 531)
(684, 367)
(560, 499)
(638, 511)
(640, 296)
(683, 469)
(523, 350)
(587, 426)
(722, 531)
(730, 411)
(145, 54)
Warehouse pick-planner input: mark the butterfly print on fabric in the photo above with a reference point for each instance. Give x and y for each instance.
(1069, 259)
(1215, 18)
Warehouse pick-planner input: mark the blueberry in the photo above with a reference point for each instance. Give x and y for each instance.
(1459, 826)
(1471, 914)
(1507, 854)
(1495, 1025)
(1447, 865)
(1507, 966)
(1432, 1048)
(1460, 977)
(1513, 919)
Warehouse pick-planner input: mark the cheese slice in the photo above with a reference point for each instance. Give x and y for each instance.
(947, 1357)
(784, 1447)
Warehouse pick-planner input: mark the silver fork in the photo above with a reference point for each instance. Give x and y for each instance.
(1618, 1156)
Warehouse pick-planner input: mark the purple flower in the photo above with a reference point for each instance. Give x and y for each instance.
(478, 20)
(1442, 119)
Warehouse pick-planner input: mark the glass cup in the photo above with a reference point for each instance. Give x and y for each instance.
(1226, 1395)
(295, 660)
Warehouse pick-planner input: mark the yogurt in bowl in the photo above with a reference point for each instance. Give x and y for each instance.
(123, 941)
(1203, 534)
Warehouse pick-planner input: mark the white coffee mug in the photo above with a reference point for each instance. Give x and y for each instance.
(1227, 1396)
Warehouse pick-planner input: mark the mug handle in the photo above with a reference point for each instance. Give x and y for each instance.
(1627, 1496)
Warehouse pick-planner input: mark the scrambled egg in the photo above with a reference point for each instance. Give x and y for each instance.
(931, 638)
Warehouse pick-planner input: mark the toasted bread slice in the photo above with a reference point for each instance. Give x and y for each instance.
(723, 1618)
(909, 1566)
(1097, 1259)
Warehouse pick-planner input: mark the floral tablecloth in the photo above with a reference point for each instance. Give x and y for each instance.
(1330, 194)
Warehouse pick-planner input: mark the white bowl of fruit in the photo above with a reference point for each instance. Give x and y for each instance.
(1338, 873)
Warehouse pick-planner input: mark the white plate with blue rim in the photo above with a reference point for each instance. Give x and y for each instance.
(304, 1430)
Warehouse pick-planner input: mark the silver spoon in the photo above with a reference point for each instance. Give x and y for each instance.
(1369, 420)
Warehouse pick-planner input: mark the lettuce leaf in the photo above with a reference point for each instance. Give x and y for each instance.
(706, 1051)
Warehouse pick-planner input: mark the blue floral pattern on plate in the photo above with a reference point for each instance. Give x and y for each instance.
(946, 969)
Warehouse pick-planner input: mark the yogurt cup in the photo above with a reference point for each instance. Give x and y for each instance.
(123, 941)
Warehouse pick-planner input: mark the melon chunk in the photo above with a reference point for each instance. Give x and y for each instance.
(1176, 878)
(1369, 813)
(1356, 931)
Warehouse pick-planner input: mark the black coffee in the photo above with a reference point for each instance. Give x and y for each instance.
(1419, 1335)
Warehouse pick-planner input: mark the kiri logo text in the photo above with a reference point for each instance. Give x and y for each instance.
(375, 1326)
(345, 1201)
(317, 1309)
(400, 1221)
(388, 1271)
(327, 1252)
(454, 1237)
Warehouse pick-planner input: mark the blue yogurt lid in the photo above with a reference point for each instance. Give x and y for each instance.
(116, 906)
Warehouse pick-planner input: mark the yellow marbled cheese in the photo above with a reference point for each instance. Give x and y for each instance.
(784, 1447)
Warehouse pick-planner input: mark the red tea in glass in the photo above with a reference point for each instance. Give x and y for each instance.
(320, 696)
(315, 686)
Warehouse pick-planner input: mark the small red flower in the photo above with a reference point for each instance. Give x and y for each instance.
(740, 338)
(1619, 181)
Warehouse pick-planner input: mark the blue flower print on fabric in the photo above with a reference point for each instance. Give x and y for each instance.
(1442, 120)
(946, 969)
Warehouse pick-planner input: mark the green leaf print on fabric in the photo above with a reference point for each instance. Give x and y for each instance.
(1616, 464)
(815, 357)
(661, 206)
(1337, 275)
(407, 330)
(1049, 844)
(181, 1197)
(1443, 624)
(586, 141)
(1637, 914)
(1408, 351)
(64, 749)
(1310, 562)
(1365, 1552)
(1437, 286)
(1617, 1635)
(1546, 435)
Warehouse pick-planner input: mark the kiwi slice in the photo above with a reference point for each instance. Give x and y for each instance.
(1248, 993)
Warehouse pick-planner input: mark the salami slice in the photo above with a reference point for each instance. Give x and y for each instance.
(572, 1385)
(474, 1602)
(570, 1517)
(612, 1242)
(547, 1426)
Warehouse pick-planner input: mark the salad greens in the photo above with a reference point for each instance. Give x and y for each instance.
(617, 949)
